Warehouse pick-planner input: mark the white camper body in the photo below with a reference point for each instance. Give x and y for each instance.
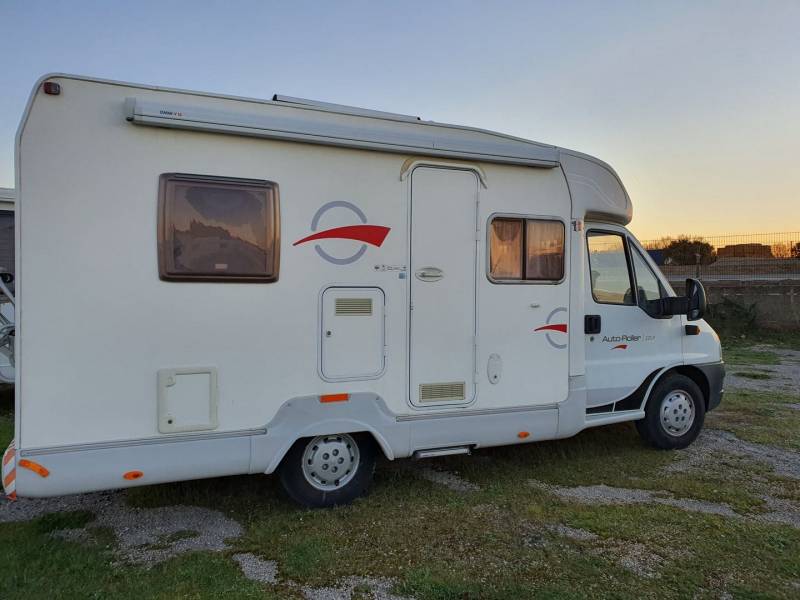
(424, 285)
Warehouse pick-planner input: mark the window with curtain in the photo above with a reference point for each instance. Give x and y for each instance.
(526, 250)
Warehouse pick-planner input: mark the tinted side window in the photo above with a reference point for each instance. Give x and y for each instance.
(218, 229)
(611, 281)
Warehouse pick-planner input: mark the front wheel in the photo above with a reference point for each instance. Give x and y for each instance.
(328, 470)
(674, 413)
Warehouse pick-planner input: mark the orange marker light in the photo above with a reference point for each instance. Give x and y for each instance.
(131, 475)
(334, 398)
(523, 434)
(33, 466)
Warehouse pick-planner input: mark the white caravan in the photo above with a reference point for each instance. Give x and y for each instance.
(212, 285)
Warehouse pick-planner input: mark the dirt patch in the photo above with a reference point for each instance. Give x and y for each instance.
(145, 536)
(572, 533)
(633, 557)
(257, 569)
(26, 509)
(446, 478)
(375, 588)
(784, 377)
(603, 494)
(711, 441)
(778, 510)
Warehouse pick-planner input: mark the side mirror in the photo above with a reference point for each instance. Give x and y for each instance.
(693, 304)
(696, 295)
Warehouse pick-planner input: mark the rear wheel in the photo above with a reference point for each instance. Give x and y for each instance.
(328, 470)
(674, 413)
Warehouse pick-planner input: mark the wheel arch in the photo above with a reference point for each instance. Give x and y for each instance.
(690, 371)
(332, 427)
(307, 416)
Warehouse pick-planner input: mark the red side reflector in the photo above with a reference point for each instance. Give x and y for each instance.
(334, 398)
(523, 434)
(131, 475)
(52, 88)
(33, 466)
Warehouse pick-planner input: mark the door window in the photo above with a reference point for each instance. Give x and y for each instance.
(506, 249)
(608, 263)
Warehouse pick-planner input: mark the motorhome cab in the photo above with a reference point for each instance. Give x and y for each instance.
(292, 286)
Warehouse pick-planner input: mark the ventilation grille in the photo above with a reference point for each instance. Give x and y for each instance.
(353, 307)
(439, 392)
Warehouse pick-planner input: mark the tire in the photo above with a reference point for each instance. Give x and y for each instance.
(684, 410)
(310, 469)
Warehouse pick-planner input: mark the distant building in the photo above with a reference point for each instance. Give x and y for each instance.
(745, 251)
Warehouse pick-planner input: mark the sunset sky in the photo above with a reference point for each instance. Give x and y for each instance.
(696, 105)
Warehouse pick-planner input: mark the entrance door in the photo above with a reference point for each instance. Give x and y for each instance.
(632, 345)
(442, 286)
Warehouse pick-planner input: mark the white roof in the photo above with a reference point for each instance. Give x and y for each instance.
(595, 188)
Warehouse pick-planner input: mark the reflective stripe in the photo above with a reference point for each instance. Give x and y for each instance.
(10, 471)
(9, 479)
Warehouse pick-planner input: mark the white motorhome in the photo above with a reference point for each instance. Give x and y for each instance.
(211, 285)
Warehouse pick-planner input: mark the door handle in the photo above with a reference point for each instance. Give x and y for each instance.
(591, 324)
(429, 274)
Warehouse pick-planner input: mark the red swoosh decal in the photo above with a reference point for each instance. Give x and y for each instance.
(620, 347)
(370, 234)
(562, 327)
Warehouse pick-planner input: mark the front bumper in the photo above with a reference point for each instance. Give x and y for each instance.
(715, 375)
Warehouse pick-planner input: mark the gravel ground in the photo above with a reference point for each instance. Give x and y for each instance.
(603, 494)
(784, 377)
(447, 479)
(257, 569)
(777, 510)
(633, 557)
(145, 536)
(711, 441)
(369, 587)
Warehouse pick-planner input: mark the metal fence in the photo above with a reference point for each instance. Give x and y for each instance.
(747, 257)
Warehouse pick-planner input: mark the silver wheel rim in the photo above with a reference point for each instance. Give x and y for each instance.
(330, 461)
(677, 412)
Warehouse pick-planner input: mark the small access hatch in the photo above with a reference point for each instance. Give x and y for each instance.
(352, 333)
(187, 399)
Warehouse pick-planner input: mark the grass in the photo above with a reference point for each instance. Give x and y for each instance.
(738, 355)
(753, 375)
(739, 349)
(444, 545)
(760, 417)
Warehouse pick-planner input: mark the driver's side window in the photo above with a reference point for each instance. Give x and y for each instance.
(608, 263)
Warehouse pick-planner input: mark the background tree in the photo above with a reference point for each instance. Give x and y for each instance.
(684, 251)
